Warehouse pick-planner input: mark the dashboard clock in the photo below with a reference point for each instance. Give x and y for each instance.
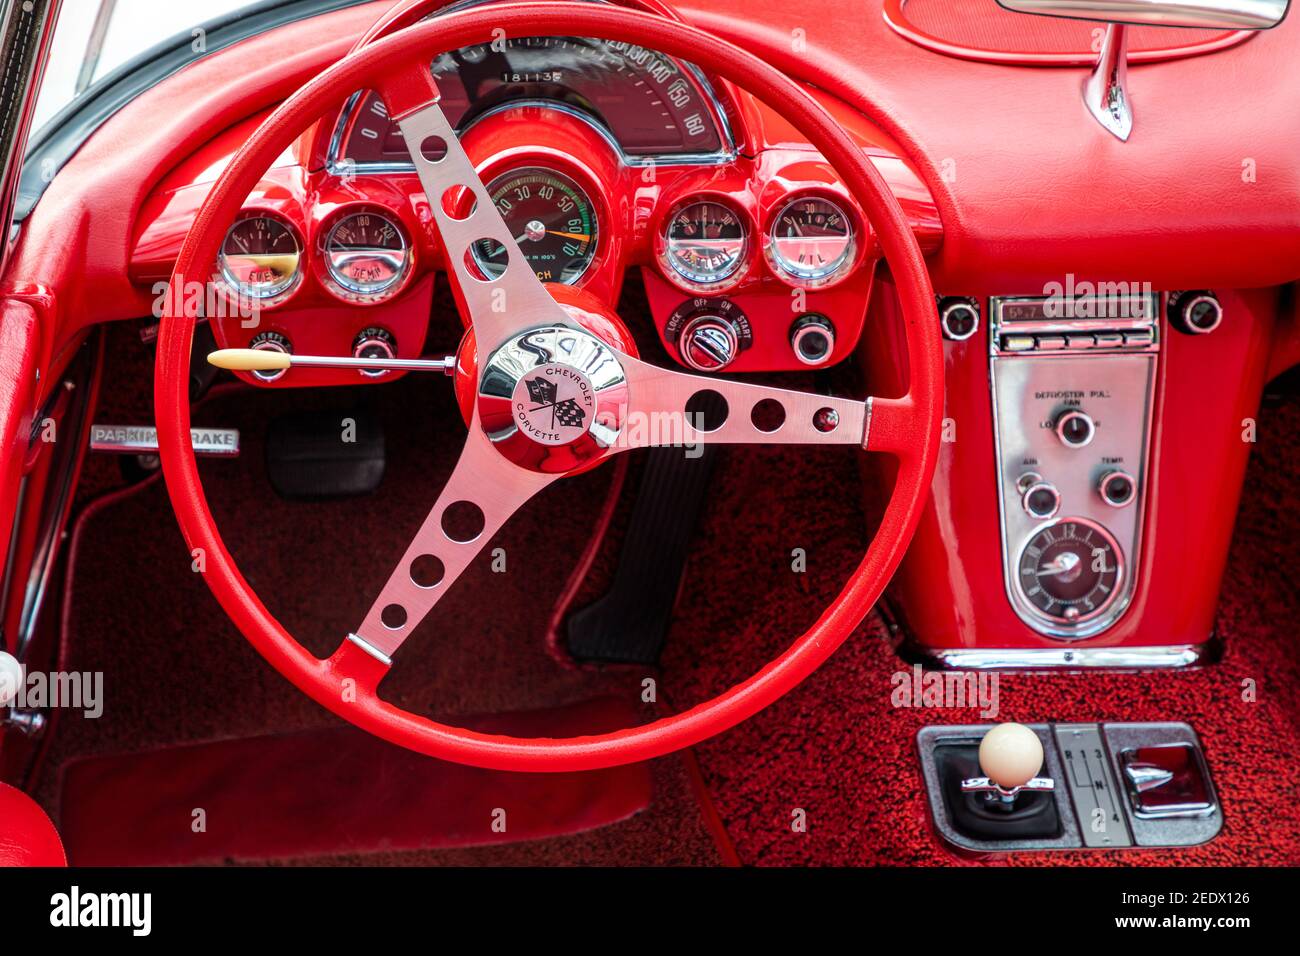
(1070, 570)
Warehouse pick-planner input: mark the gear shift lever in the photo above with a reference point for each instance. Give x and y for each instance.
(1010, 756)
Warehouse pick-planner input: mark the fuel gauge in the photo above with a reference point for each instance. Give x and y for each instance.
(260, 257)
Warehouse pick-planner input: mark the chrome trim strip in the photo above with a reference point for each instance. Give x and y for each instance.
(866, 425)
(1068, 658)
(370, 649)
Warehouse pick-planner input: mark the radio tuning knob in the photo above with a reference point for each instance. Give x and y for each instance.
(708, 343)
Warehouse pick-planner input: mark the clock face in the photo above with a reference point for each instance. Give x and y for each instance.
(1070, 570)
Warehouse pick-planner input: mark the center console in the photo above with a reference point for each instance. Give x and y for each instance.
(1073, 383)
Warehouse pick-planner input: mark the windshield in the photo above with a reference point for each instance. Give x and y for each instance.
(95, 37)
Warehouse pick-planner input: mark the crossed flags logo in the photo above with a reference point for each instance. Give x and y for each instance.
(567, 412)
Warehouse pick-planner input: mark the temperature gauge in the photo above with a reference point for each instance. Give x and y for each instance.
(705, 243)
(811, 240)
(260, 257)
(367, 257)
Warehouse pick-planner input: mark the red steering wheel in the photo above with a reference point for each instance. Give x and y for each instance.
(551, 396)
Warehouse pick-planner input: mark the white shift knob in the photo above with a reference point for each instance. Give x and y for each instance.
(1011, 755)
(11, 678)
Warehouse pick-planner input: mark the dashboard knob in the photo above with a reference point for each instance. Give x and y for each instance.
(1041, 500)
(1117, 488)
(959, 317)
(1075, 428)
(270, 342)
(709, 343)
(813, 339)
(374, 342)
(1195, 313)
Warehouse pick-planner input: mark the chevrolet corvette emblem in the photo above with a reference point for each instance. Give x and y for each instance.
(552, 404)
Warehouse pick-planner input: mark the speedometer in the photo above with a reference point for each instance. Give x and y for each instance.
(551, 219)
(649, 103)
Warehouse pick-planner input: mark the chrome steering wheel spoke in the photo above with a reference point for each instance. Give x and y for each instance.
(668, 407)
(479, 497)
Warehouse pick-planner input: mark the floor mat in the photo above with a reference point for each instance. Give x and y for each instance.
(332, 791)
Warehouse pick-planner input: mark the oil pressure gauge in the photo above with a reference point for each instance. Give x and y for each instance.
(1070, 570)
(366, 257)
(811, 241)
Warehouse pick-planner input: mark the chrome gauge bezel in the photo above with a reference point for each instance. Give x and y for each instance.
(698, 281)
(344, 287)
(1121, 573)
(811, 278)
(280, 292)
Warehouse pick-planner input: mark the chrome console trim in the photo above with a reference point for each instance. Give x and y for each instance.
(1169, 657)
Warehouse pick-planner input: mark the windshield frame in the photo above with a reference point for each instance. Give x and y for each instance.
(58, 140)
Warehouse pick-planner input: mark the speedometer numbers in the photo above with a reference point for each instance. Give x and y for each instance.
(552, 220)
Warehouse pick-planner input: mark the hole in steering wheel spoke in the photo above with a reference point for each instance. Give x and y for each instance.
(427, 571)
(463, 521)
(486, 260)
(433, 149)
(393, 617)
(706, 411)
(767, 415)
(458, 202)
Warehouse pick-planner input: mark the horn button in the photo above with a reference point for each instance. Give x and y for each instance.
(553, 399)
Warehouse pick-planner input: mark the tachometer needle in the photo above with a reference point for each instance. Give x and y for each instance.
(569, 235)
(266, 360)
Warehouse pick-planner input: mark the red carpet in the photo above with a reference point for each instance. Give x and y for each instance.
(177, 673)
(338, 790)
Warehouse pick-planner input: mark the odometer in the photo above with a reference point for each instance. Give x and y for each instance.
(551, 219)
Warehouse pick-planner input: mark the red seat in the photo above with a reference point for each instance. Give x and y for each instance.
(27, 837)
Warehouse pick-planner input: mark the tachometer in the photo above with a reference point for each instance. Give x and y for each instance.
(706, 242)
(366, 256)
(811, 240)
(260, 257)
(551, 219)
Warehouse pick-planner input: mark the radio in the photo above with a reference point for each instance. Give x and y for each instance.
(1073, 381)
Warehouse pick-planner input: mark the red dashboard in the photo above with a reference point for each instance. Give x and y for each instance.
(754, 258)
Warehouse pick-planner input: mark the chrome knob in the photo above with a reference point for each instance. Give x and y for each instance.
(1075, 428)
(270, 342)
(1117, 488)
(1041, 500)
(813, 339)
(708, 343)
(959, 317)
(374, 343)
(1195, 313)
